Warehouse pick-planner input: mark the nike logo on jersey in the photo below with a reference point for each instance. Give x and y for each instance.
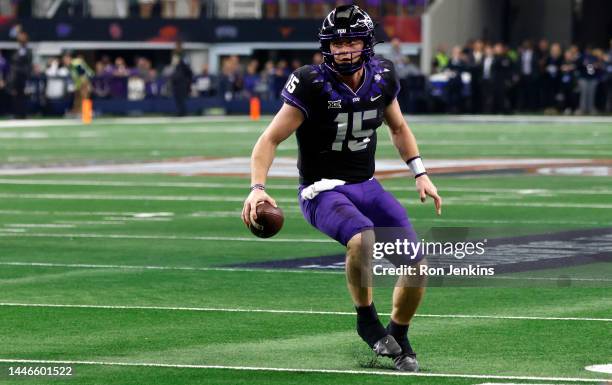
(372, 99)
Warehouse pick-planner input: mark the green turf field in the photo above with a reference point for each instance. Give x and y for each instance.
(125, 277)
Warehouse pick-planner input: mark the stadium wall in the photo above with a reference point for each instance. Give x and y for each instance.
(551, 19)
(453, 22)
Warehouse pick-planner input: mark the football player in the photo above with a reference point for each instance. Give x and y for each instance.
(335, 108)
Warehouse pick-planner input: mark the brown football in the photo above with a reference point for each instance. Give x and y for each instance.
(270, 219)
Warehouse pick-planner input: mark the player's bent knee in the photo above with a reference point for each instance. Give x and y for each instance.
(360, 245)
(358, 258)
(359, 250)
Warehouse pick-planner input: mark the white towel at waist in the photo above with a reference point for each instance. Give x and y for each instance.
(323, 185)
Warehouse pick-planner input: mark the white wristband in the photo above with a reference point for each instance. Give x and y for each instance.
(416, 166)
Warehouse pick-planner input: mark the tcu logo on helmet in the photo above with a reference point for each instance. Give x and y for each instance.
(366, 21)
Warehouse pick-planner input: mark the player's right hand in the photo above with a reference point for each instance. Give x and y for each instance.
(249, 210)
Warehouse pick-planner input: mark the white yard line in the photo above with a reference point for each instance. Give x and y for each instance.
(217, 198)
(513, 120)
(300, 370)
(513, 383)
(205, 185)
(433, 119)
(122, 121)
(602, 368)
(473, 202)
(504, 143)
(285, 311)
(69, 213)
(38, 123)
(511, 221)
(186, 268)
(289, 210)
(40, 225)
(164, 198)
(169, 237)
(92, 223)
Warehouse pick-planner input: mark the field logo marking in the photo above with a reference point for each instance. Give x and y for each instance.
(605, 368)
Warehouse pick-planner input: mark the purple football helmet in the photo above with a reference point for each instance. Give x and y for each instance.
(347, 22)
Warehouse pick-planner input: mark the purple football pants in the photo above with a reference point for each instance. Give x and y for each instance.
(352, 208)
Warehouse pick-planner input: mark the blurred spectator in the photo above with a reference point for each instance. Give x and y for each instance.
(398, 59)
(271, 9)
(316, 9)
(589, 72)
(474, 60)
(195, 8)
(120, 69)
(390, 8)
(373, 7)
(8, 8)
(295, 64)
(4, 67)
(568, 82)
(20, 72)
(80, 74)
(139, 79)
(101, 82)
(205, 82)
(294, 9)
(146, 8)
(168, 9)
(230, 81)
(172, 9)
(251, 78)
(543, 52)
(486, 86)
(552, 78)
(456, 67)
(502, 75)
(267, 80)
(143, 69)
(412, 69)
(4, 95)
(317, 58)
(155, 84)
(281, 74)
(528, 77)
(440, 60)
(57, 76)
(181, 79)
(600, 92)
(103, 8)
(608, 79)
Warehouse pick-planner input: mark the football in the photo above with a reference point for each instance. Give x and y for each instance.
(269, 218)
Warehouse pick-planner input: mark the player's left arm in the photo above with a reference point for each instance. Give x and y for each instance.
(404, 140)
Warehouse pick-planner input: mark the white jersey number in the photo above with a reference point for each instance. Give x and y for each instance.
(357, 131)
(292, 83)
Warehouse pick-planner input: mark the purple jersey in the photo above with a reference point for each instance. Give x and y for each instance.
(337, 139)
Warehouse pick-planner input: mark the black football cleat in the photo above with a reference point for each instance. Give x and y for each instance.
(387, 347)
(406, 362)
